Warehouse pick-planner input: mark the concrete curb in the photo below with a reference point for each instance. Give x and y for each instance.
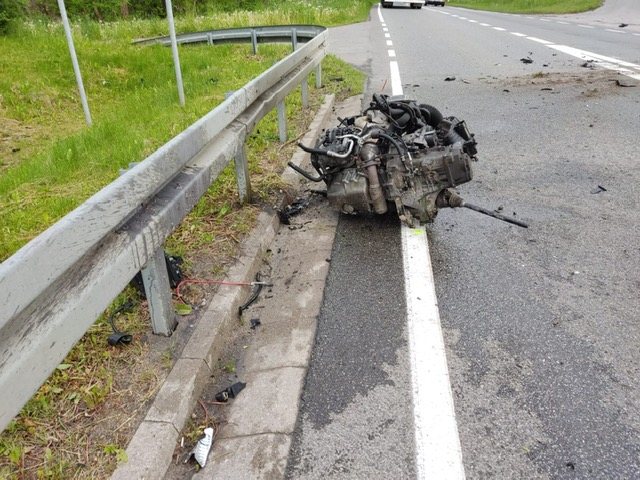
(151, 448)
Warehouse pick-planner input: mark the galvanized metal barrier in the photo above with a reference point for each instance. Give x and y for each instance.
(55, 287)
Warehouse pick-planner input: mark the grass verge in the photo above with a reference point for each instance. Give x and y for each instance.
(79, 423)
(529, 6)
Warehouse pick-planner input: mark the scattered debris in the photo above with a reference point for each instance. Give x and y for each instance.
(622, 25)
(620, 84)
(588, 64)
(598, 189)
(571, 465)
(449, 79)
(506, 90)
(255, 322)
(254, 296)
(292, 210)
(118, 337)
(201, 450)
(230, 392)
(546, 89)
(183, 309)
(526, 60)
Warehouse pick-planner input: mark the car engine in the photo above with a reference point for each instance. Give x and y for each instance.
(397, 154)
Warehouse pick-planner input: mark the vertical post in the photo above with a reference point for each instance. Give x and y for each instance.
(74, 61)
(174, 50)
(319, 76)
(254, 41)
(241, 163)
(158, 291)
(294, 39)
(305, 92)
(282, 121)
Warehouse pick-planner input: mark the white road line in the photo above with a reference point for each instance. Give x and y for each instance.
(389, 43)
(392, 53)
(626, 68)
(387, 35)
(396, 83)
(438, 451)
(539, 40)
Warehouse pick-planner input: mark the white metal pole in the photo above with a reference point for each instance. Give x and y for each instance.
(174, 50)
(74, 61)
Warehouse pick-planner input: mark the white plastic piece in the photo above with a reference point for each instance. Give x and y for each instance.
(201, 450)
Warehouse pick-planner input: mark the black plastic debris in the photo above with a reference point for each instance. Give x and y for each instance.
(588, 64)
(598, 189)
(255, 322)
(622, 25)
(118, 337)
(449, 79)
(526, 60)
(292, 210)
(230, 392)
(258, 284)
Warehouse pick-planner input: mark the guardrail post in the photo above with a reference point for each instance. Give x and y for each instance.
(319, 76)
(241, 163)
(254, 41)
(305, 92)
(282, 121)
(294, 39)
(158, 291)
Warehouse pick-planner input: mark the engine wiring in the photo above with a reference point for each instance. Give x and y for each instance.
(258, 283)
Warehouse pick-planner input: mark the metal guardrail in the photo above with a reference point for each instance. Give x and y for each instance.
(55, 287)
(253, 35)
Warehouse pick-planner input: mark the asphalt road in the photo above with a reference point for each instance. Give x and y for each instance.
(541, 325)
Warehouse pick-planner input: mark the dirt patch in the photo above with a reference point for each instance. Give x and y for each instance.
(591, 82)
(14, 135)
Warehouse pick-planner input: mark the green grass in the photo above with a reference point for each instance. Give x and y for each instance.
(79, 423)
(50, 161)
(529, 6)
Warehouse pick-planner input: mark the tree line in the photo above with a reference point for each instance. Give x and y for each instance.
(109, 10)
